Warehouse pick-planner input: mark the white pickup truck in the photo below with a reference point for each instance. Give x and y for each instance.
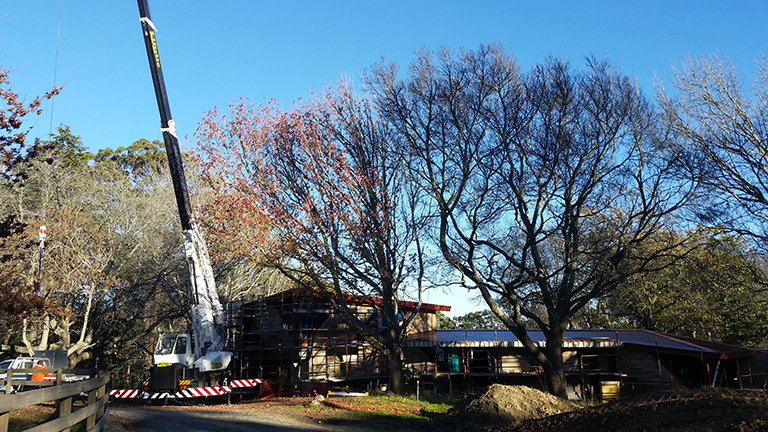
(23, 363)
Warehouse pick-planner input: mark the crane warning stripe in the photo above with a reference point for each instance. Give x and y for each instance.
(186, 393)
(126, 394)
(202, 391)
(245, 383)
(136, 394)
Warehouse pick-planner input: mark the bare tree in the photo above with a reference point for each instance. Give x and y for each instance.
(726, 139)
(322, 180)
(544, 184)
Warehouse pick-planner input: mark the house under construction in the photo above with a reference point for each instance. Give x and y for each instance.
(599, 364)
(296, 340)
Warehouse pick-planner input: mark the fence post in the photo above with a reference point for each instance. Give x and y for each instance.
(102, 392)
(8, 382)
(65, 408)
(91, 421)
(57, 404)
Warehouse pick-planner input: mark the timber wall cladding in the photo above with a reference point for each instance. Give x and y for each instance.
(423, 322)
(644, 372)
(512, 362)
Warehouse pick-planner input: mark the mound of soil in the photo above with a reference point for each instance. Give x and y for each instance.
(706, 409)
(499, 405)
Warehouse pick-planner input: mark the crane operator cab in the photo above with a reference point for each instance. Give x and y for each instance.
(172, 369)
(174, 348)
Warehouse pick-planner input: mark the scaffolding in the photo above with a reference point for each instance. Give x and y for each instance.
(300, 342)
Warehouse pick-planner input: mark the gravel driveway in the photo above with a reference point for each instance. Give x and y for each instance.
(221, 418)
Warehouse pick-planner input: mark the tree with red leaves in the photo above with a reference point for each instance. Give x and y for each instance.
(18, 300)
(316, 191)
(12, 115)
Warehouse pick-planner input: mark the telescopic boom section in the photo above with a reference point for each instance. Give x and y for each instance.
(166, 122)
(207, 315)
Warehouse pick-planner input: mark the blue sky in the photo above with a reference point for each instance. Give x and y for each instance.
(213, 52)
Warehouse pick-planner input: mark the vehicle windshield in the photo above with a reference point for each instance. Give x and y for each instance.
(6, 364)
(181, 345)
(165, 344)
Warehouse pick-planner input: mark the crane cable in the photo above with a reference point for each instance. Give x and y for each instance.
(55, 67)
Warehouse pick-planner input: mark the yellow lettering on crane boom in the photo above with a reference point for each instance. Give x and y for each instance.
(154, 49)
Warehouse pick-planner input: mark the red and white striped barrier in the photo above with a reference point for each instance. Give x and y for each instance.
(202, 392)
(191, 392)
(126, 394)
(137, 394)
(245, 383)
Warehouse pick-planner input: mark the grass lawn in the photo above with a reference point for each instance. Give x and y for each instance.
(31, 416)
(385, 412)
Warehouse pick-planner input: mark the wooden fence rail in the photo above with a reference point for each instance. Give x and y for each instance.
(95, 413)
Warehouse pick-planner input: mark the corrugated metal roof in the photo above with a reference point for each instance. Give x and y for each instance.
(731, 350)
(573, 339)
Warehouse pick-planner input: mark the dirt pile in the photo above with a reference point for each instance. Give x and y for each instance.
(499, 405)
(706, 409)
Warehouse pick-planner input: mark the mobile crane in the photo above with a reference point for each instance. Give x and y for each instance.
(176, 363)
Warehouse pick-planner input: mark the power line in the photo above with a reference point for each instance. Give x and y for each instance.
(55, 68)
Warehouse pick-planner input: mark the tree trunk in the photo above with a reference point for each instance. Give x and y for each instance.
(555, 374)
(396, 382)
